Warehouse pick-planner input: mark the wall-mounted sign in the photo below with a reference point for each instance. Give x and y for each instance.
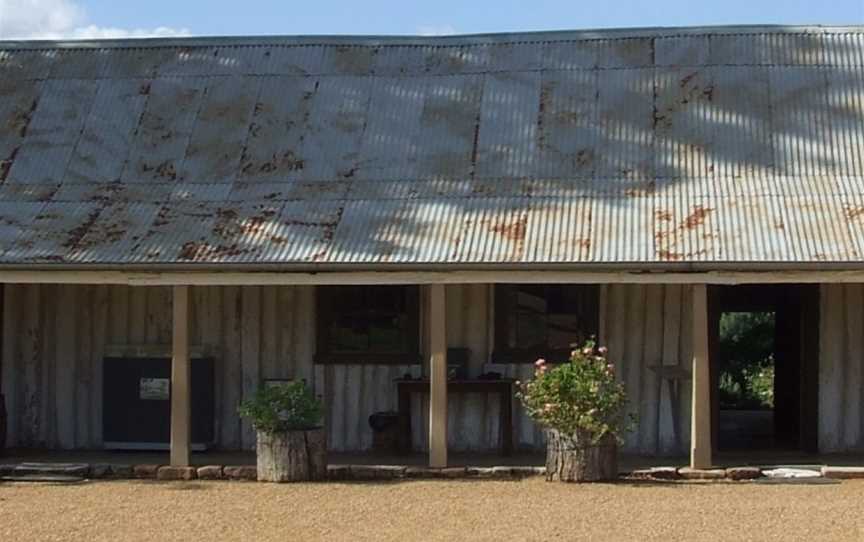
(154, 389)
(276, 382)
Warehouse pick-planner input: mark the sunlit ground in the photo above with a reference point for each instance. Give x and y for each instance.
(530, 509)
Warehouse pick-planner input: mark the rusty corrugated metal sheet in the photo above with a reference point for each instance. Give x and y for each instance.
(657, 146)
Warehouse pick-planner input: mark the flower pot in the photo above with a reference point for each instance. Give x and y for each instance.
(576, 458)
(292, 456)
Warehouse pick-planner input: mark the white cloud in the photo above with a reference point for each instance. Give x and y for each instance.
(436, 30)
(64, 19)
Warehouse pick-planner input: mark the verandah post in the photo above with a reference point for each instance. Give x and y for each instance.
(180, 377)
(437, 377)
(700, 434)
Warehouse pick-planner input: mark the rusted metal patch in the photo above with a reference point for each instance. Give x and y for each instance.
(676, 240)
(560, 149)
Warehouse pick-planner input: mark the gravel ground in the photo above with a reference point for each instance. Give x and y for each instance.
(530, 509)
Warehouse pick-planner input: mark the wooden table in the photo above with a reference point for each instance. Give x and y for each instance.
(503, 387)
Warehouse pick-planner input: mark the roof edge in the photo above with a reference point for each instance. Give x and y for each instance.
(429, 267)
(460, 39)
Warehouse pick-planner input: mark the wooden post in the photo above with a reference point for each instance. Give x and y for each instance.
(180, 377)
(437, 377)
(700, 435)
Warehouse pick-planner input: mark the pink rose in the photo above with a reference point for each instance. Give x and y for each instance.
(603, 350)
(540, 362)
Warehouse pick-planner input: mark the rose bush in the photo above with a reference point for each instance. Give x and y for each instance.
(578, 397)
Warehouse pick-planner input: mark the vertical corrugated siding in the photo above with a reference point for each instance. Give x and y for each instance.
(52, 365)
(55, 337)
(841, 365)
(649, 326)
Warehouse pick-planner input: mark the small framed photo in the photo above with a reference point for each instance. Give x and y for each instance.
(277, 382)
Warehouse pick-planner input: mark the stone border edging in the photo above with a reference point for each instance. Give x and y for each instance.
(108, 471)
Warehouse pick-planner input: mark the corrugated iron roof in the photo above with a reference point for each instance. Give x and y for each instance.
(660, 146)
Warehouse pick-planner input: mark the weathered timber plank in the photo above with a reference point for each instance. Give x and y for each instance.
(64, 393)
(668, 408)
(232, 367)
(653, 354)
(854, 302)
(100, 325)
(251, 353)
(83, 317)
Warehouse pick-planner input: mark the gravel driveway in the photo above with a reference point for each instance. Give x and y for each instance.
(531, 509)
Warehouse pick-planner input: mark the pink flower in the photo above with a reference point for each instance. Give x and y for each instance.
(540, 362)
(587, 351)
(603, 350)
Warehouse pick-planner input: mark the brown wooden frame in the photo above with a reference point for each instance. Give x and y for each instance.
(796, 306)
(503, 353)
(326, 307)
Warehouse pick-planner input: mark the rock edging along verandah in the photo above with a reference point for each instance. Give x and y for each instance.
(109, 471)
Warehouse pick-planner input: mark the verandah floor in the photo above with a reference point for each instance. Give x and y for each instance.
(627, 463)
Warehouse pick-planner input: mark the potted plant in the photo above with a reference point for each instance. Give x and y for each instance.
(583, 408)
(292, 445)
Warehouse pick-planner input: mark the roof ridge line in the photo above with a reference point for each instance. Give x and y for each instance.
(407, 40)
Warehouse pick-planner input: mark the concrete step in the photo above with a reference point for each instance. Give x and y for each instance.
(51, 478)
(45, 472)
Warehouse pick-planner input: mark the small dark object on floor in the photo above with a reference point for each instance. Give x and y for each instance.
(385, 431)
(380, 421)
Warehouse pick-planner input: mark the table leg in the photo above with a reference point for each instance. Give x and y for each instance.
(404, 421)
(507, 422)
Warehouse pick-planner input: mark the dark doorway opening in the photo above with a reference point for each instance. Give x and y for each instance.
(764, 366)
(746, 366)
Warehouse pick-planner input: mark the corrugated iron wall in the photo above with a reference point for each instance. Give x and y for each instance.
(648, 326)
(841, 367)
(55, 337)
(52, 364)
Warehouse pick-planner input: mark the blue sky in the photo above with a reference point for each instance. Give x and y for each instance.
(107, 18)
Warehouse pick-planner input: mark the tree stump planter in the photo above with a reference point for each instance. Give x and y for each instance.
(577, 459)
(292, 456)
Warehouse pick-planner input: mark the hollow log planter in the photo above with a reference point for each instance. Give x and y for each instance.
(578, 459)
(292, 456)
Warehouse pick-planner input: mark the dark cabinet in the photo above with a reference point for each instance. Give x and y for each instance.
(136, 411)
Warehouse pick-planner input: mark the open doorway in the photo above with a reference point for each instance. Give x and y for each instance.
(764, 366)
(746, 365)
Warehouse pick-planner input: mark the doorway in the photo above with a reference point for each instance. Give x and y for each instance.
(764, 366)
